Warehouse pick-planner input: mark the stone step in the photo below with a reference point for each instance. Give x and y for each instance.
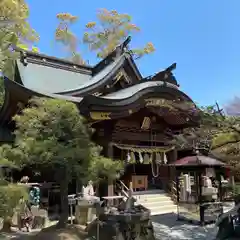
(153, 198)
(163, 210)
(157, 204)
(149, 192)
(157, 201)
(153, 195)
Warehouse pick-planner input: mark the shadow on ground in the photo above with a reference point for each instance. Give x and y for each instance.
(51, 233)
(167, 227)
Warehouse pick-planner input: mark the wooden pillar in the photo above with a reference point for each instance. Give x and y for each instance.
(200, 195)
(110, 150)
(174, 154)
(110, 155)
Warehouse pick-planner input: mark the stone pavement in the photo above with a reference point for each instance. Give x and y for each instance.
(167, 227)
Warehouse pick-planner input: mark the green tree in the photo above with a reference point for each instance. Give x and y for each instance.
(51, 133)
(219, 132)
(14, 31)
(101, 37)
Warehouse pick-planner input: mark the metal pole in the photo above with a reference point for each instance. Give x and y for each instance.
(98, 229)
(71, 213)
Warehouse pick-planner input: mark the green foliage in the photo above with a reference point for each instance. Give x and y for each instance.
(2, 91)
(6, 163)
(14, 31)
(68, 39)
(10, 195)
(52, 133)
(102, 37)
(111, 29)
(102, 169)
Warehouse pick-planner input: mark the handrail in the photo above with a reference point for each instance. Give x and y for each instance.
(122, 183)
(122, 186)
(173, 190)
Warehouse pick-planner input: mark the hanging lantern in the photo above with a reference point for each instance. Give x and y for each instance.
(140, 157)
(155, 166)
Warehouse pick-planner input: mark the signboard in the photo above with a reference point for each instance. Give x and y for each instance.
(100, 115)
(71, 200)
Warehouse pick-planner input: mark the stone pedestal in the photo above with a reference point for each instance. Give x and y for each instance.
(132, 224)
(84, 214)
(85, 211)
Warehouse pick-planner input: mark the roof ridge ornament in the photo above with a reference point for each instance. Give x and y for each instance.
(123, 46)
(166, 75)
(23, 58)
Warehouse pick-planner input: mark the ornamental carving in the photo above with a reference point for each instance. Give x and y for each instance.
(158, 102)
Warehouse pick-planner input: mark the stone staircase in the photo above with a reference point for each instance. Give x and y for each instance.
(156, 200)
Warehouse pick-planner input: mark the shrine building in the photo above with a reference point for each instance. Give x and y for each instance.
(135, 117)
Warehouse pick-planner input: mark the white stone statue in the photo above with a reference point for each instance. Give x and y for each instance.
(88, 190)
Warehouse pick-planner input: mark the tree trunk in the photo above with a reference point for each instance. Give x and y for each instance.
(64, 204)
(7, 223)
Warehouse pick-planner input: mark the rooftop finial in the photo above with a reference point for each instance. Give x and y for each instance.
(171, 68)
(120, 48)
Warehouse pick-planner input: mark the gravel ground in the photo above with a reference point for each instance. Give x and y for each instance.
(168, 228)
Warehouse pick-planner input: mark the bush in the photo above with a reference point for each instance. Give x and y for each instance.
(10, 195)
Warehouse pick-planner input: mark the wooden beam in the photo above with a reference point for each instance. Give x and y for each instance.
(124, 135)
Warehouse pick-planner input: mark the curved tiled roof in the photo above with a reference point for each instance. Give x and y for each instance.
(49, 79)
(132, 90)
(64, 82)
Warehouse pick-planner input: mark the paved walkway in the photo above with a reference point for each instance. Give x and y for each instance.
(168, 228)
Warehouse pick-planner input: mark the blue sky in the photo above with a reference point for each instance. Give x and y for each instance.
(202, 36)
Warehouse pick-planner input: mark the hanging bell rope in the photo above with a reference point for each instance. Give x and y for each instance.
(154, 161)
(144, 149)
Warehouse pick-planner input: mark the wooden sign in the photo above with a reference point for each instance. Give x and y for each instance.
(100, 115)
